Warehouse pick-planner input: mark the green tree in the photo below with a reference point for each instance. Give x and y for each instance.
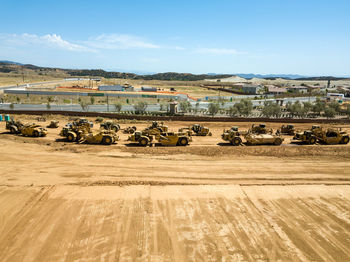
(185, 106)
(318, 107)
(49, 99)
(335, 105)
(307, 107)
(233, 111)
(118, 107)
(140, 107)
(244, 107)
(213, 108)
(83, 105)
(92, 100)
(48, 105)
(12, 106)
(329, 112)
(271, 109)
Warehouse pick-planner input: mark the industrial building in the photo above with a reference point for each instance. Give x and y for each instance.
(115, 88)
(148, 89)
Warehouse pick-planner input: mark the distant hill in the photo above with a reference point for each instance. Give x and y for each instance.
(9, 62)
(10, 66)
(322, 78)
(271, 76)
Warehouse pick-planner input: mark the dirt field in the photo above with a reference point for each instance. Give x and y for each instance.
(205, 202)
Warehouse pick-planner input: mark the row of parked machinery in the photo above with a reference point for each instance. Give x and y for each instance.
(260, 135)
(80, 130)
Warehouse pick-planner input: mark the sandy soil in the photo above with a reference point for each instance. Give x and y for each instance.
(205, 202)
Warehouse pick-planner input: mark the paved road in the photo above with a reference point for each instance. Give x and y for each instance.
(150, 108)
(35, 84)
(74, 107)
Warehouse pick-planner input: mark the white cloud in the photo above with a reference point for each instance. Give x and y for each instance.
(117, 41)
(218, 51)
(56, 40)
(49, 41)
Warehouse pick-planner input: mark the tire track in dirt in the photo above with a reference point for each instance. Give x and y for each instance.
(176, 223)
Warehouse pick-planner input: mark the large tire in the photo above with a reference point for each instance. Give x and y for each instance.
(236, 141)
(143, 141)
(344, 140)
(183, 141)
(278, 141)
(312, 140)
(107, 140)
(70, 137)
(36, 133)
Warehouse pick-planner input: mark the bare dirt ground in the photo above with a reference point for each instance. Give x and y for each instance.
(205, 202)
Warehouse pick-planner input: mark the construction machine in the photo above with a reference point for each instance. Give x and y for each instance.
(148, 136)
(259, 129)
(332, 136)
(53, 124)
(129, 130)
(287, 130)
(196, 130)
(105, 137)
(174, 139)
(33, 130)
(110, 125)
(263, 139)
(157, 127)
(233, 136)
(143, 138)
(14, 126)
(251, 137)
(73, 132)
(82, 122)
(305, 137)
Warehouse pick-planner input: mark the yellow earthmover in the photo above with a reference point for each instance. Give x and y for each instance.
(287, 130)
(196, 130)
(33, 130)
(233, 136)
(148, 136)
(53, 124)
(129, 130)
(73, 132)
(259, 129)
(157, 127)
(174, 139)
(252, 137)
(105, 137)
(14, 126)
(331, 136)
(307, 136)
(263, 139)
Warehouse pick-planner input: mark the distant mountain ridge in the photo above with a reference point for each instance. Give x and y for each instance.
(9, 62)
(285, 76)
(7, 66)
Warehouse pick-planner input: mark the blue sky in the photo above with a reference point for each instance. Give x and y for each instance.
(238, 36)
